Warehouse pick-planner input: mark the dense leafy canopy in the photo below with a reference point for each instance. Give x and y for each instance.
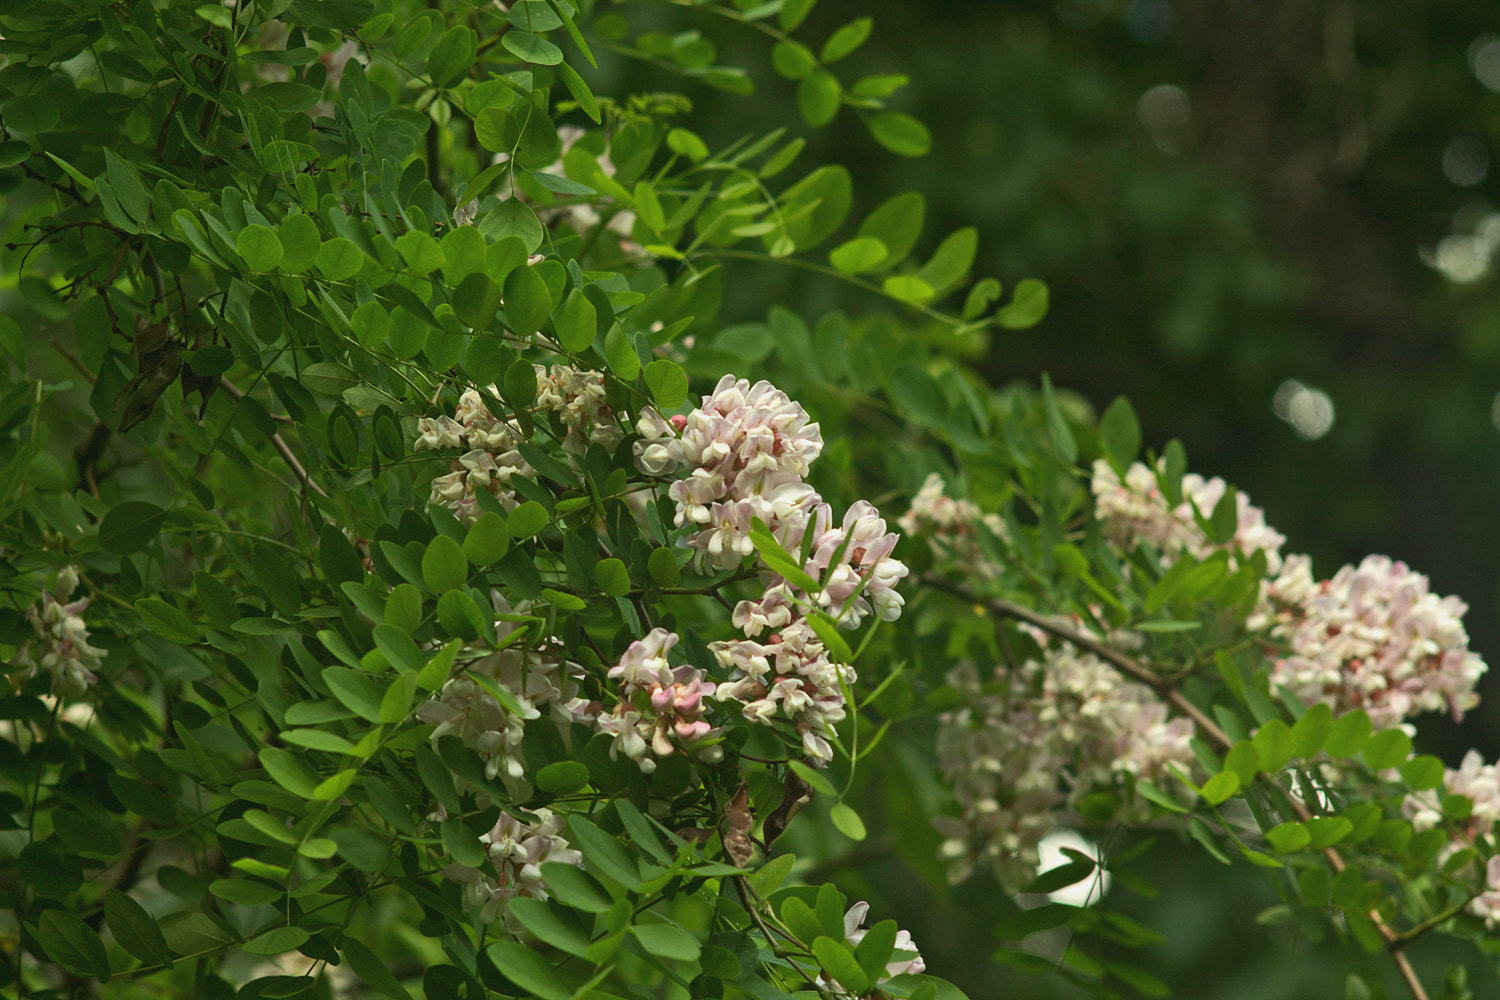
(387, 600)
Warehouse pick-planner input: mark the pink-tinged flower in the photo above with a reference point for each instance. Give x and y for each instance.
(1373, 638)
(774, 610)
(578, 397)
(1040, 738)
(645, 662)
(789, 677)
(662, 706)
(60, 645)
(952, 528)
(1487, 903)
(535, 679)
(1136, 511)
(516, 851)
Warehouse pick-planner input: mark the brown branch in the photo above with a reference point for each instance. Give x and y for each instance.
(1137, 671)
(1395, 944)
(281, 446)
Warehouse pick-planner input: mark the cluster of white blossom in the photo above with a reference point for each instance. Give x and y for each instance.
(61, 644)
(1136, 510)
(1480, 784)
(661, 706)
(488, 464)
(740, 457)
(516, 851)
(906, 960)
(952, 528)
(491, 459)
(1037, 740)
(536, 677)
(1374, 637)
(576, 395)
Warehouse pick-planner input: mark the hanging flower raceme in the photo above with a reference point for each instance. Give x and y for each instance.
(1480, 784)
(952, 528)
(740, 457)
(1136, 510)
(532, 678)
(493, 456)
(516, 851)
(661, 707)
(1374, 638)
(60, 646)
(1040, 739)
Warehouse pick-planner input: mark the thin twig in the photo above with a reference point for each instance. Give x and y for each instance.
(72, 358)
(1114, 657)
(281, 446)
(1395, 942)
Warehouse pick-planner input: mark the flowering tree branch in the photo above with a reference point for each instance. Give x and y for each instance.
(1394, 941)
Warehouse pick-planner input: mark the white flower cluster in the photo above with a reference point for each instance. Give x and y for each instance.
(1040, 739)
(488, 464)
(492, 458)
(61, 646)
(534, 677)
(906, 960)
(516, 851)
(661, 707)
(1373, 637)
(1480, 783)
(576, 395)
(952, 528)
(745, 451)
(1136, 511)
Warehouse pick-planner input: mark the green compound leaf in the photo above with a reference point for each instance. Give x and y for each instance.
(668, 383)
(847, 821)
(1120, 434)
(340, 259)
(846, 40)
(549, 925)
(443, 565)
(837, 959)
(1220, 787)
(1348, 735)
(901, 134)
(1288, 837)
(1312, 730)
(73, 944)
(260, 247)
(1387, 748)
(528, 303)
(422, 253)
(136, 930)
(1028, 304)
(856, 256)
(528, 969)
(562, 777)
(612, 577)
(527, 520)
(575, 323)
(300, 241)
(818, 98)
(488, 540)
(167, 621)
(372, 969)
(667, 941)
(129, 526)
(356, 690)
